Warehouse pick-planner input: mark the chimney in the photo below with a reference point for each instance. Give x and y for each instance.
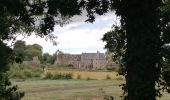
(97, 55)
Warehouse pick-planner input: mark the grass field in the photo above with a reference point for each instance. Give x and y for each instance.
(92, 85)
(69, 89)
(72, 89)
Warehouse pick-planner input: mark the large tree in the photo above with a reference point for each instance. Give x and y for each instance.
(118, 42)
(48, 58)
(140, 21)
(142, 57)
(19, 51)
(33, 51)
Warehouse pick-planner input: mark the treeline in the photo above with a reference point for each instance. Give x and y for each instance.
(25, 52)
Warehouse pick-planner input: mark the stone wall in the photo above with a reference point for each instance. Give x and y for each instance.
(35, 62)
(83, 61)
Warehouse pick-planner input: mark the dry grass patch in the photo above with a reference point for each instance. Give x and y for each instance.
(88, 74)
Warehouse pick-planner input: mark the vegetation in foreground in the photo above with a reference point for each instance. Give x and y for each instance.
(73, 89)
(22, 72)
(70, 89)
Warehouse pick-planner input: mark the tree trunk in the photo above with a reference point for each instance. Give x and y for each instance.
(143, 48)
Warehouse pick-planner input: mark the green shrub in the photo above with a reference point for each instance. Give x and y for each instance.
(19, 71)
(7, 90)
(56, 76)
(37, 72)
(88, 78)
(119, 78)
(70, 65)
(66, 76)
(62, 76)
(19, 75)
(48, 76)
(27, 74)
(108, 77)
(42, 66)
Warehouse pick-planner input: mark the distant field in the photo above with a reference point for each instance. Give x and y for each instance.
(88, 74)
(72, 89)
(91, 75)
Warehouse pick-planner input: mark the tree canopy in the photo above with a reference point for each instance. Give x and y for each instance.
(48, 59)
(26, 52)
(124, 45)
(32, 51)
(19, 51)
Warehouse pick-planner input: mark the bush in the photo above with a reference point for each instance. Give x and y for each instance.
(65, 76)
(37, 72)
(48, 76)
(27, 74)
(78, 76)
(119, 78)
(58, 76)
(108, 77)
(42, 66)
(19, 71)
(70, 65)
(88, 78)
(7, 91)
(19, 75)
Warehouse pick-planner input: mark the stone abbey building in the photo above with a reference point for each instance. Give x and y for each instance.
(90, 61)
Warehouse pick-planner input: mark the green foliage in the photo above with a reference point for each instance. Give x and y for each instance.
(7, 91)
(88, 78)
(43, 66)
(49, 76)
(26, 52)
(58, 76)
(67, 76)
(6, 57)
(116, 46)
(32, 51)
(108, 77)
(19, 71)
(119, 78)
(19, 51)
(139, 51)
(48, 59)
(64, 76)
(70, 65)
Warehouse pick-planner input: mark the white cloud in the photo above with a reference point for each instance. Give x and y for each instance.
(81, 38)
(78, 36)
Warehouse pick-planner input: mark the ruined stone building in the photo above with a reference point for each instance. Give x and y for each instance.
(35, 62)
(84, 60)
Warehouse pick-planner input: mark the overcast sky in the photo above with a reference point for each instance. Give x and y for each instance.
(78, 36)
